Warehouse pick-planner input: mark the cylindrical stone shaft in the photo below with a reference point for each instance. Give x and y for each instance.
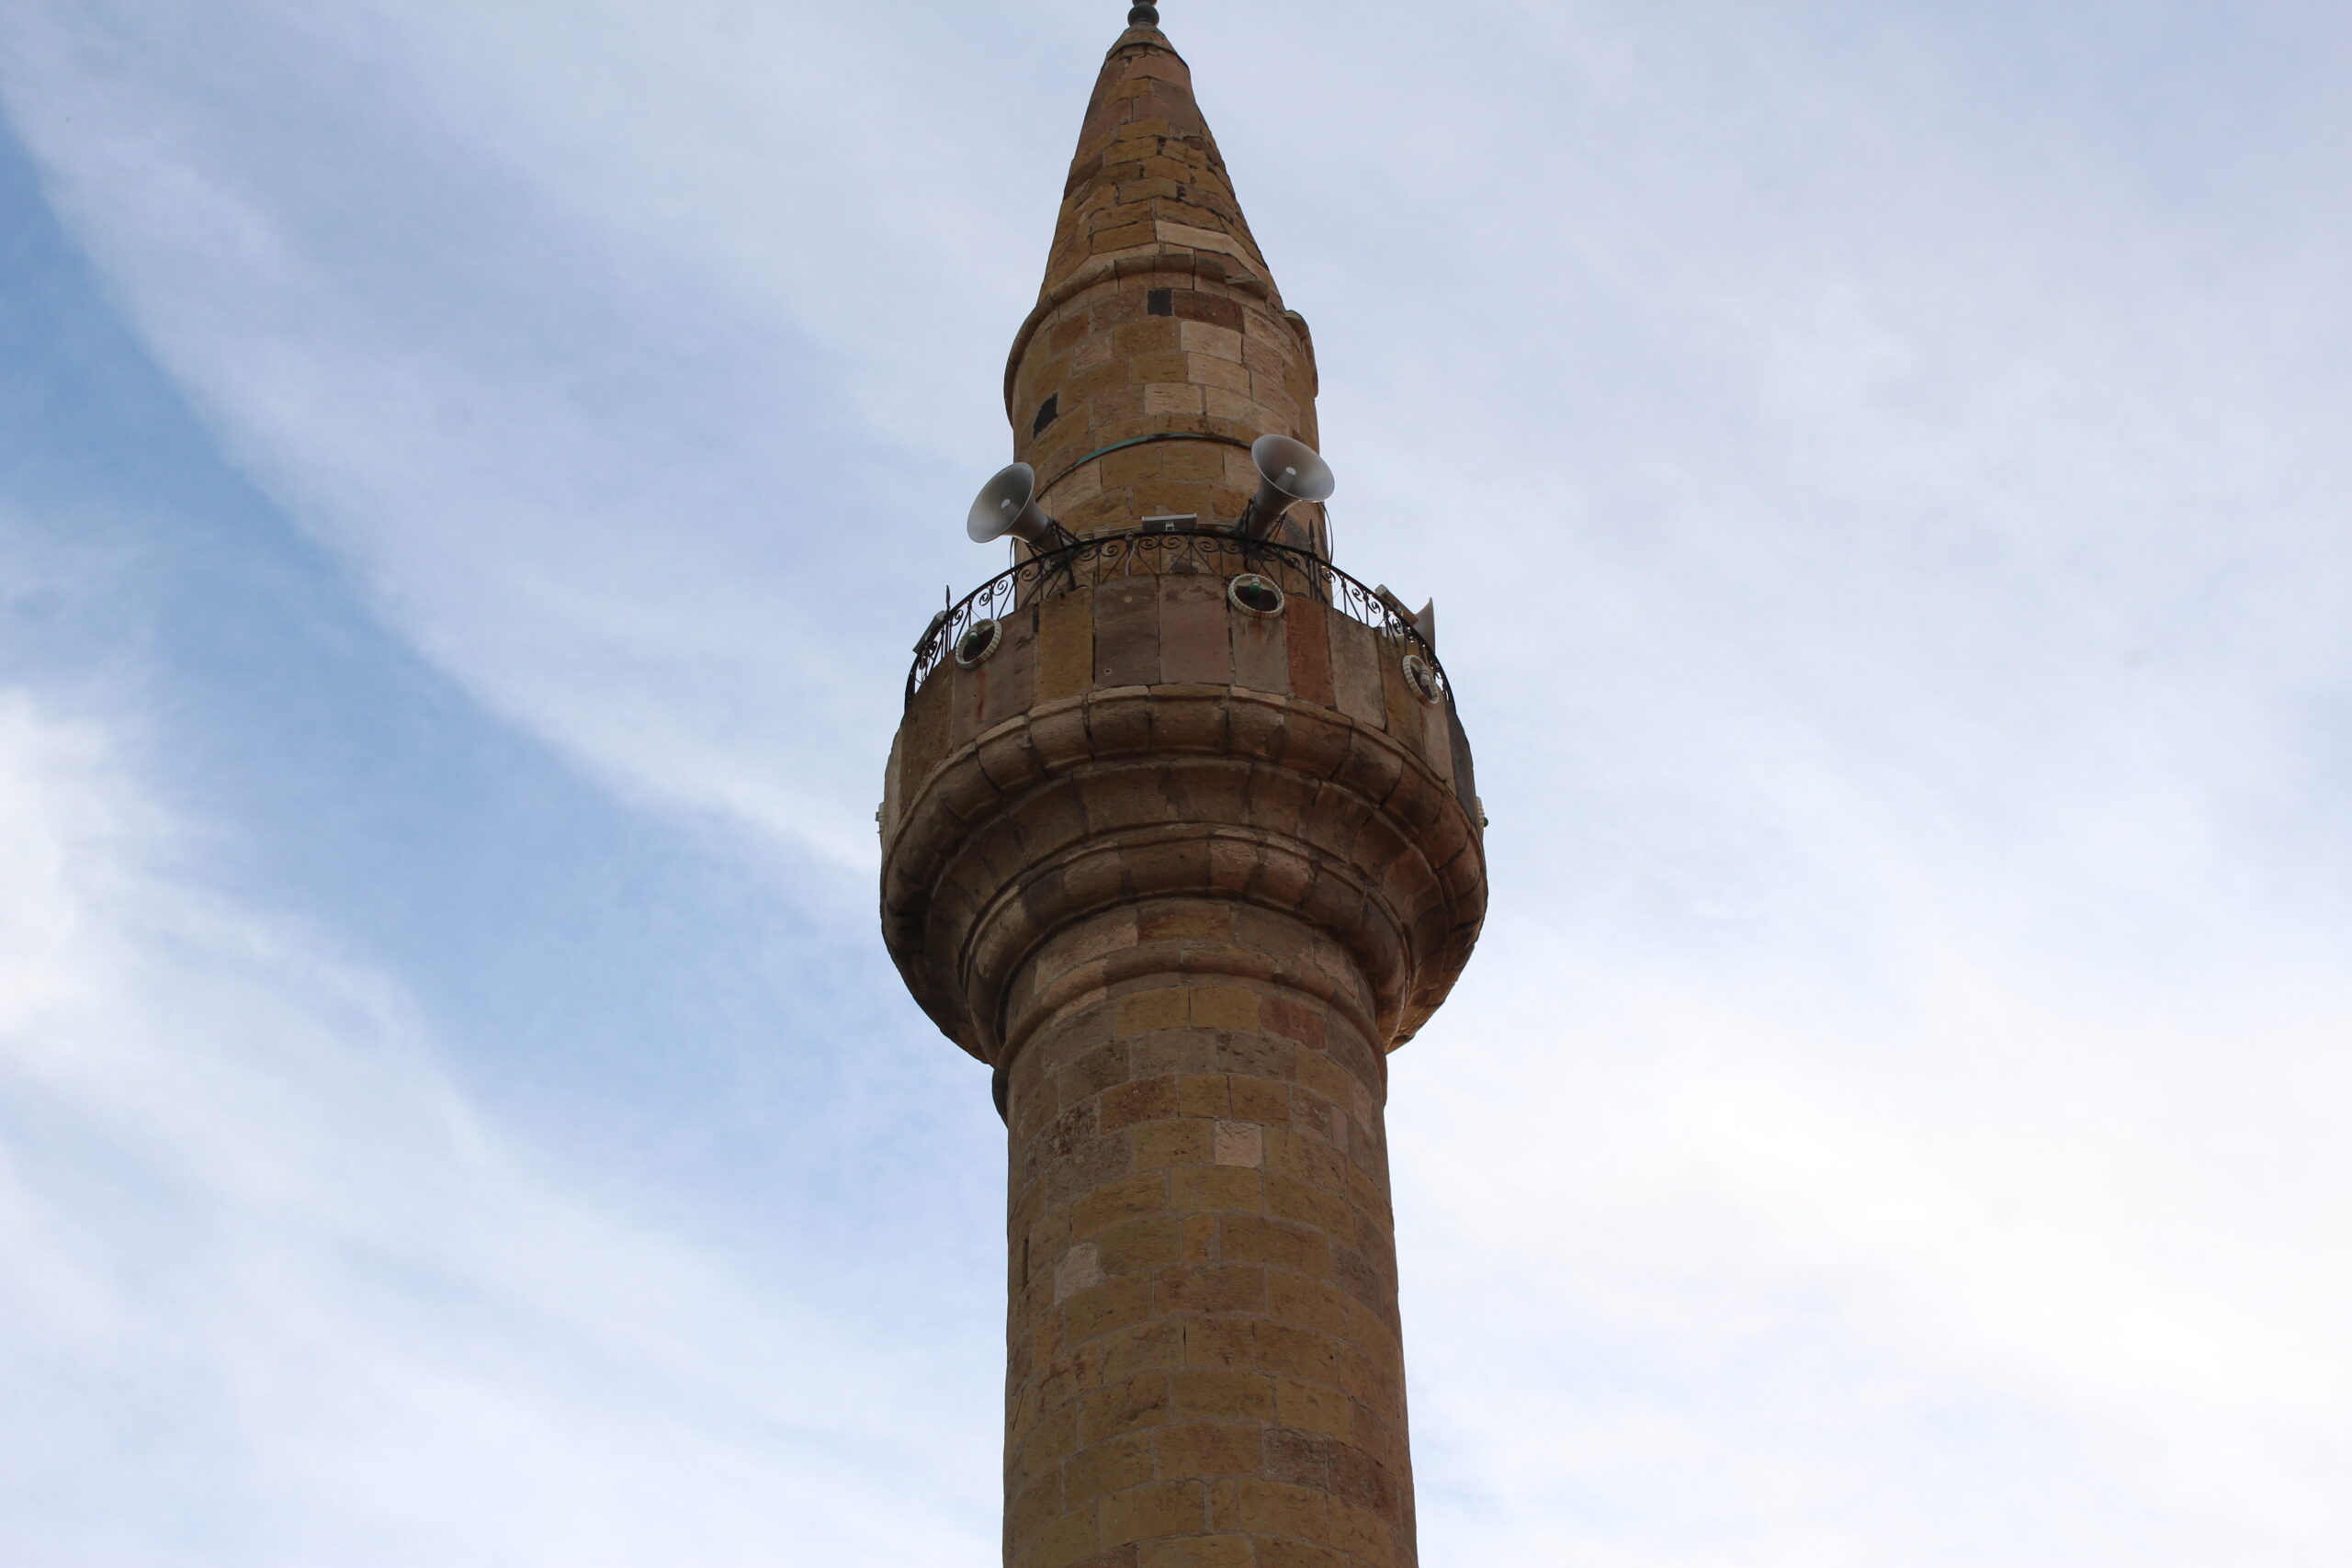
(1204, 1365)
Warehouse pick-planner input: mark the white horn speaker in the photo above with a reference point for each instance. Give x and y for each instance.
(1008, 504)
(1288, 472)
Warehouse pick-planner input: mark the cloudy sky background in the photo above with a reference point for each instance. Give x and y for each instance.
(469, 477)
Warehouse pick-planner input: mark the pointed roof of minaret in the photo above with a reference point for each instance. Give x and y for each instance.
(1146, 175)
(1158, 349)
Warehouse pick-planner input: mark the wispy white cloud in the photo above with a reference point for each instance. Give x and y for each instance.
(277, 1293)
(601, 492)
(1835, 1259)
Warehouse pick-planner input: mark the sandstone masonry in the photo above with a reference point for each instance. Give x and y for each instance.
(1183, 874)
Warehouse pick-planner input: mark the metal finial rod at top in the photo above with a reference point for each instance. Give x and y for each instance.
(1143, 15)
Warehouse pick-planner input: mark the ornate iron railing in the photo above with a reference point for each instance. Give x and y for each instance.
(1104, 558)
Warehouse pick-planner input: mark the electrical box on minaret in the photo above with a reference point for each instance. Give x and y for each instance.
(1180, 839)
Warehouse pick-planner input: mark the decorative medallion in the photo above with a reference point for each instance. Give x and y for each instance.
(1422, 679)
(1255, 595)
(978, 642)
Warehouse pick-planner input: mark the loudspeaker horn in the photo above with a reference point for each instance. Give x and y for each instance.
(1288, 472)
(1008, 504)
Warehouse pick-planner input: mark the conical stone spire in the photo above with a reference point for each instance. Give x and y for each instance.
(1160, 348)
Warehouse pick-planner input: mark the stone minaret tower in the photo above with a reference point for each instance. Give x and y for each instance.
(1179, 836)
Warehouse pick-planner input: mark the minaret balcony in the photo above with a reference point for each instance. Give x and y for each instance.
(1177, 711)
(1263, 578)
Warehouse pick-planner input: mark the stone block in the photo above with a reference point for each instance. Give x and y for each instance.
(1360, 1276)
(1107, 1307)
(1362, 1480)
(1067, 1376)
(1215, 341)
(1065, 648)
(1178, 1053)
(1261, 647)
(1211, 1190)
(1290, 1199)
(1219, 1342)
(1137, 1197)
(1153, 1345)
(1212, 1288)
(1224, 1007)
(1298, 1353)
(1207, 1448)
(1250, 1054)
(1140, 1244)
(1265, 1101)
(1276, 1508)
(1110, 1466)
(1153, 1511)
(1146, 1010)
(1293, 1019)
(1234, 410)
(1089, 1073)
(1123, 237)
(1062, 1137)
(1219, 376)
(1322, 1075)
(1067, 1541)
(1297, 1459)
(1078, 1270)
(1126, 633)
(1220, 1393)
(1035, 1505)
(1117, 1409)
(1202, 1095)
(1308, 643)
(1313, 1408)
(1195, 637)
(1303, 1303)
(1268, 346)
(1006, 680)
(1198, 1552)
(1147, 189)
(1168, 920)
(1159, 1145)
(1278, 1243)
(1145, 369)
(1355, 672)
(1309, 1160)
(1296, 1554)
(1174, 397)
(1096, 1163)
(1149, 1099)
(1151, 334)
(1045, 1441)
(1360, 1532)
(1238, 1142)
(1211, 310)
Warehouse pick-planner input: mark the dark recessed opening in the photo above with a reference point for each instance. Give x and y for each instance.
(1160, 301)
(1048, 411)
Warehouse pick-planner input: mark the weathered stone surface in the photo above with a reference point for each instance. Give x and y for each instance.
(1157, 316)
(1183, 876)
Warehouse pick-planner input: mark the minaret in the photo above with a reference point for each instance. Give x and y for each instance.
(1180, 837)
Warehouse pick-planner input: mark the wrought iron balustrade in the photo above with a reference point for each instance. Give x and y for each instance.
(1106, 558)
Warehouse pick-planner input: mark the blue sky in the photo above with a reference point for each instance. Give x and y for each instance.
(470, 476)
